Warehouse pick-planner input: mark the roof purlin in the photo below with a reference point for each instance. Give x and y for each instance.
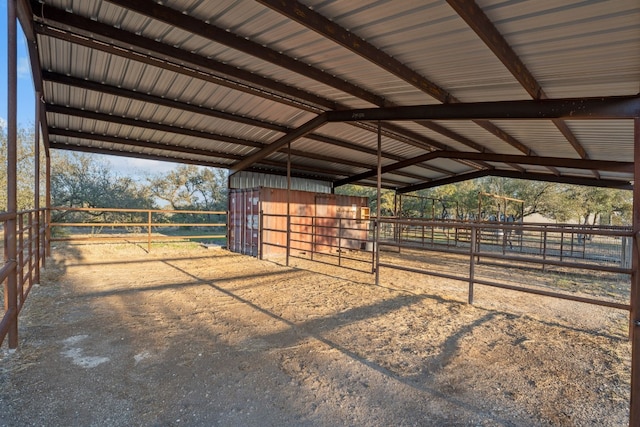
(592, 182)
(612, 166)
(183, 150)
(329, 29)
(218, 35)
(96, 150)
(150, 46)
(182, 131)
(484, 28)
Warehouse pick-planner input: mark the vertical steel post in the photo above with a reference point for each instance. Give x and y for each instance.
(288, 203)
(340, 242)
(544, 248)
(30, 254)
(149, 231)
(313, 235)
(47, 218)
(10, 290)
(634, 318)
(378, 208)
(260, 227)
(472, 260)
(20, 258)
(36, 187)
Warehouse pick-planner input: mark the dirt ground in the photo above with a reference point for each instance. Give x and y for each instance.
(185, 335)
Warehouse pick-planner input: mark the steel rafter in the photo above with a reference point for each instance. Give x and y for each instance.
(90, 115)
(324, 173)
(332, 31)
(219, 35)
(166, 54)
(595, 108)
(571, 163)
(591, 182)
(478, 21)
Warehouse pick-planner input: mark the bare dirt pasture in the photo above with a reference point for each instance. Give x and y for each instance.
(115, 336)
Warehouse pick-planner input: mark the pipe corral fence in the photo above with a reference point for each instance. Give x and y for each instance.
(31, 242)
(35, 232)
(472, 252)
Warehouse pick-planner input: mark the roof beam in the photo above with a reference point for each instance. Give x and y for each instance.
(573, 180)
(624, 167)
(125, 142)
(219, 35)
(301, 131)
(140, 143)
(118, 42)
(613, 107)
(125, 121)
(95, 150)
(406, 136)
(477, 20)
(332, 31)
(85, 84)
(106, 38)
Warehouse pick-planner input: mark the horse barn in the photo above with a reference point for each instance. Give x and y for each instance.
(297, 99)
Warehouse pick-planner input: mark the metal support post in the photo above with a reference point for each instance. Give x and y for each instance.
(288, 249)
(36, 188)
(634, 318)
(11, 284)
(48, 211)
(376, 248)
(472, 260)
(149, 232)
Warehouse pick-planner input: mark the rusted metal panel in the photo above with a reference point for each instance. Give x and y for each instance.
(320, 221)
(244, 211)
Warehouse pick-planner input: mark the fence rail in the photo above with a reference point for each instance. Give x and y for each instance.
(570, 247)
(31, 243)
(132, 222)
(314, 236)
(33, 235)
(606, 250)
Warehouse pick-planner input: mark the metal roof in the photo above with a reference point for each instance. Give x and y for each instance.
(232, 83)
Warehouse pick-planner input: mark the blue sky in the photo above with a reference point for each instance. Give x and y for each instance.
(26, 103)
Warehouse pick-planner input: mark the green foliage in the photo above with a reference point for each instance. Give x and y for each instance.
(81, 180)
(386, 197)
(25, 170)
(560, 202)
(191, 187)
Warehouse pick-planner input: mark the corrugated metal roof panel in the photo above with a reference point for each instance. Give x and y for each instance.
(247, 179)
(605, 140)
(481, 136)
(542, 137)
(573, 49)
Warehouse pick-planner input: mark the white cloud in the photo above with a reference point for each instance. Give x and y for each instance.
(3, 123)
(24, 68)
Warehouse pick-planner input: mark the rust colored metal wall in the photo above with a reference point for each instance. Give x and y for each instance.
(319, 221)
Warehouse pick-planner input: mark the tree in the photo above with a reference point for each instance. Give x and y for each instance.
(80, 180)
(190, 187)
(386, 197)
(25, 169)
